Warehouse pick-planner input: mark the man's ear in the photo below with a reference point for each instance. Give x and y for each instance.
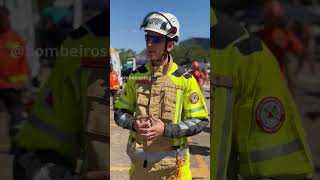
(170, 45)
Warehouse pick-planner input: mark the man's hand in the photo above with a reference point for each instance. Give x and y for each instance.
(140, 123)
(153, 132)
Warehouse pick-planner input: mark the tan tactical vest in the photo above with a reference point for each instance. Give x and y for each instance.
(157, 96)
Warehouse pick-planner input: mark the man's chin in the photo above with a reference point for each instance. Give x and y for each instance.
(156, 62)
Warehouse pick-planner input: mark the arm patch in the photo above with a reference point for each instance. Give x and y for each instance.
(188, 75)
(179, 72)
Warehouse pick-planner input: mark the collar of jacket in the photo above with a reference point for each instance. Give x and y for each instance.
(158, 71)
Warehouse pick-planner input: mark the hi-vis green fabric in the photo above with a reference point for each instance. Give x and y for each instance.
(57, 119)
(256, 129)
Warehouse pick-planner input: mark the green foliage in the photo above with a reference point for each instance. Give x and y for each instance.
(125, 54)
(186, 52)
(192, 49)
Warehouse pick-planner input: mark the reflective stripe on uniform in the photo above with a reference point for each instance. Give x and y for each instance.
(271, 153)
(222, 81)
(224, 137)
(155, 156)
(180, 95)
(52, 131)
(177, 119)
(195, 109)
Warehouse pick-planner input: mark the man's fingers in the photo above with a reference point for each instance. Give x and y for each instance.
(148, 134)
(143, 130)
(142, 124)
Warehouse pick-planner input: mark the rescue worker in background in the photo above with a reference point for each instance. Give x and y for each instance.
(49, 142)
(167, 103)
(307, 37)
(280, 40)
(205, 75)
(197, 73)
(114, 84)
(257, 132)
(13, 70)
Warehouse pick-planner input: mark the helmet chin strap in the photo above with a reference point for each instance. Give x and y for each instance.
(165, 54)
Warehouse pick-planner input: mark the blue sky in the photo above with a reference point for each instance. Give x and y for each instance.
(126, 17)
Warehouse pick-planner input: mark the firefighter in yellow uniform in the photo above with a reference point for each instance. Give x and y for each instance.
(257, 132)
(49, 142)
(162, 105)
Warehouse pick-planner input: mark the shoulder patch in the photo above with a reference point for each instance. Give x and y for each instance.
(249, 46)
(179, 72)
(194, 98)
(188, 75)
(78, 33)
(270, 114)
(142, 69)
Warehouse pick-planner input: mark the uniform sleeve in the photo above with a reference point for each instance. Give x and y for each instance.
(195, 113)
(127, 97)
(194, 105)
(123, 115)
(124, 119)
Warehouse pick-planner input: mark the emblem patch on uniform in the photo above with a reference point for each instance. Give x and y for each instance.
(270, 114)
(194, 98)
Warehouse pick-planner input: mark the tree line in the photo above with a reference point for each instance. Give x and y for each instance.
(184, 53)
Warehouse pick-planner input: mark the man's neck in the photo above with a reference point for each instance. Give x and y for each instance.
(166, 61)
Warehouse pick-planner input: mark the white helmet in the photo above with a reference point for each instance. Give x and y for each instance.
(163, 23)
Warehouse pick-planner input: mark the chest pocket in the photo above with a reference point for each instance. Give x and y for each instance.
(143, 98)
(169, 101)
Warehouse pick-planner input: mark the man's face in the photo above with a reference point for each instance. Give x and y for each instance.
(155, 43)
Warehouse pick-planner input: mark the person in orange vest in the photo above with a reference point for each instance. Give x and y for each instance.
(114, 84)
(206, 75)
(279, 39)
(197, 73)
(13, 70)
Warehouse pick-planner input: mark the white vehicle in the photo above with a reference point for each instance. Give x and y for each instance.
(132, 61)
